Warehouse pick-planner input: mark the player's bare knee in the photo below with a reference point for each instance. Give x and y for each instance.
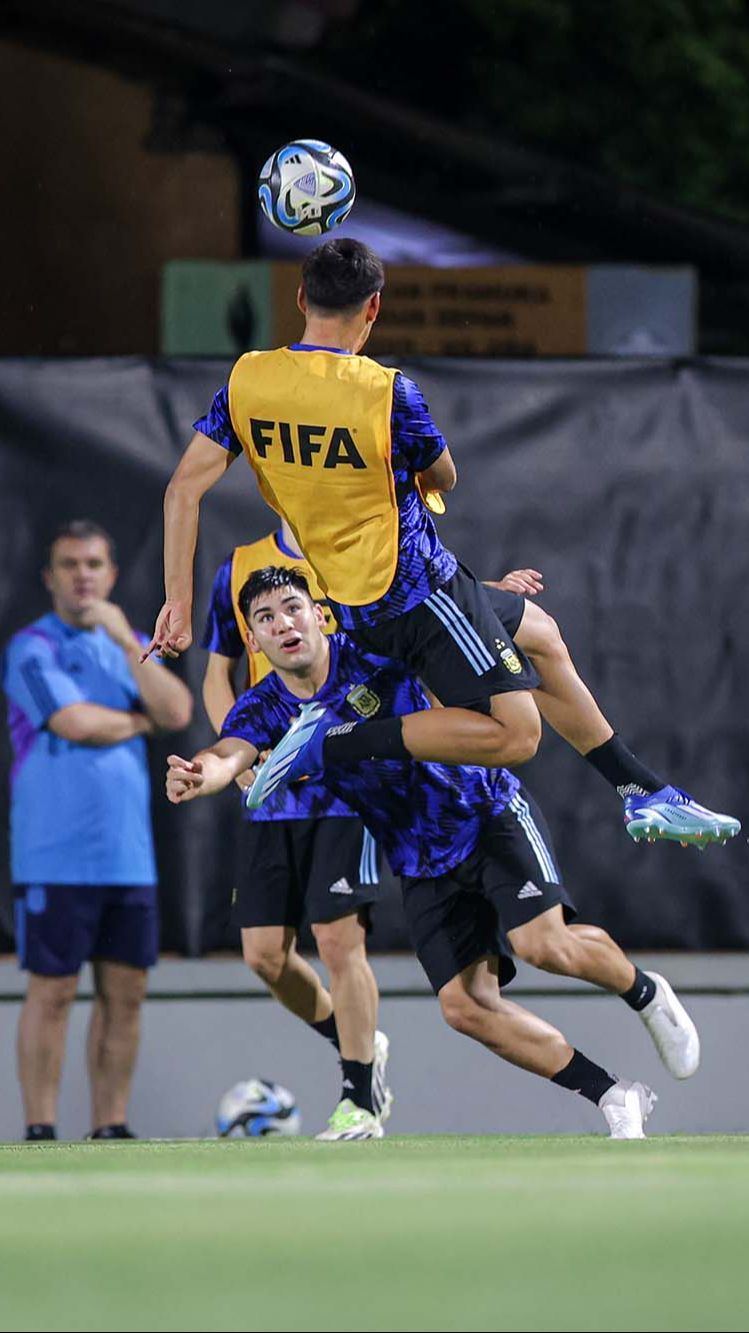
(51, 996)
(550, 951)
(267, 963)
(540, 636)
(459, 1010)
(337, 946)
(518, 733)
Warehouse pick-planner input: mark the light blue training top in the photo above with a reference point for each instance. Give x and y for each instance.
(80, 814)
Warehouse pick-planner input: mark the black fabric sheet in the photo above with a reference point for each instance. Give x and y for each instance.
(626, 483)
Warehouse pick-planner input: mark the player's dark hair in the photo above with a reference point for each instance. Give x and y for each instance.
(341, 275)
(268, 580)
(82, 530)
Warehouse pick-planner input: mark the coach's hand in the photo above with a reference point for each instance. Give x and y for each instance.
(173, 632)
(184, 779)
(526, 582)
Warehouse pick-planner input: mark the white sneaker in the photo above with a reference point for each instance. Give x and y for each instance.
(351, 1122)
(382, 1097)
(625, 1108)
(673, 1032)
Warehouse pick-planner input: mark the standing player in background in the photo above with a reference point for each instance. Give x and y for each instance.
(304, 854)
(345, 449)
(80, 705)
(471, 847)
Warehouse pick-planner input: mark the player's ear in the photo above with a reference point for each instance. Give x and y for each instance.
(251, 641)
(301, 300)
(373, 307)
(319, 614)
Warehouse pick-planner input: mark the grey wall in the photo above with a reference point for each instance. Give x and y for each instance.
(195, 1047)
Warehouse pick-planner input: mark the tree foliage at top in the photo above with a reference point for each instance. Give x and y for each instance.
(653, 92)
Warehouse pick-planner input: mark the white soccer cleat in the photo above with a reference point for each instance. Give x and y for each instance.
(674, 1035)
(625, 1108)
(382, 1097)
(351, 1122)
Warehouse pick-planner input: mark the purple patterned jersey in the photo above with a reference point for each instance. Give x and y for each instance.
(427, 818)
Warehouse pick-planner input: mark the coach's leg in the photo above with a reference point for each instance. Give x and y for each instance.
(271, 953)
(42, 1028)
(585, 952)
(113, 1039)
(342, 948)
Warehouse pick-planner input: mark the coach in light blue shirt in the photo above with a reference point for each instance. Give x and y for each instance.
(80, 706)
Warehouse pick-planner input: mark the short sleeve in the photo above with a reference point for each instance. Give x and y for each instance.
(415, 437)
(216, 424)
(221, 633)
(35, 681)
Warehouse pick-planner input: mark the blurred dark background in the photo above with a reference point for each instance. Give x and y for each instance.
(522, 131)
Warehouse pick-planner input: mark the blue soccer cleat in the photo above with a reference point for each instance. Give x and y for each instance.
(672, 814)
(297, 755)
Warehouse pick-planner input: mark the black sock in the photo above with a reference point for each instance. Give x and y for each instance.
(328, 1029)
(582, 1076)
(357, 1083)
(623, 769)
(112, 1132)
(350, 743)
(640, 992)
(38, 1132)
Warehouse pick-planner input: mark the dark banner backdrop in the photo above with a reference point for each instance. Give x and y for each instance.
(625, 483)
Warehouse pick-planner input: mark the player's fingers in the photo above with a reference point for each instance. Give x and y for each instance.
(152, 648)
(176, 761)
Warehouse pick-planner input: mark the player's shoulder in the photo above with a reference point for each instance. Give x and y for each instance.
(40, 638)
(352, 656)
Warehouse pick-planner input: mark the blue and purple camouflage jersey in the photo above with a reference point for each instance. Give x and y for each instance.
(305, 800)
(423, 562)
(427, 818)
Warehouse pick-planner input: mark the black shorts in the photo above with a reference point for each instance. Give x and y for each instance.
(454, 641)
(59, 927)
(509, 607)
(292, 870)
(509, 880)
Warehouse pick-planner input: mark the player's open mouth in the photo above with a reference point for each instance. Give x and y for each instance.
(291, 644)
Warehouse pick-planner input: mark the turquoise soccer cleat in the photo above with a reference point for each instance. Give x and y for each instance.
(673, 815)
(297, 755)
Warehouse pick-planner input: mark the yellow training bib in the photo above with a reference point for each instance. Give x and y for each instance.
(315, 427)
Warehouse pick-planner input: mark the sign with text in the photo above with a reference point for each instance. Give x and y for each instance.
(518, 310)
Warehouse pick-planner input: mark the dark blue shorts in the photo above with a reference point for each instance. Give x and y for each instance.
(61, 926)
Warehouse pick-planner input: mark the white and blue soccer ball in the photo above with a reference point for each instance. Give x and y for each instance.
(306, 188)
(255, 1108)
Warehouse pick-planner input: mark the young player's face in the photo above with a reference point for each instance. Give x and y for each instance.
(286, 625)
(80, 572)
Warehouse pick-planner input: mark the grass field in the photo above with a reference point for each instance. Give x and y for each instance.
(411, 1233)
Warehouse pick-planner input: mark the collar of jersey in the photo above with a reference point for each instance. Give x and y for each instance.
(283, 548)
(313, 347)
(70, 631)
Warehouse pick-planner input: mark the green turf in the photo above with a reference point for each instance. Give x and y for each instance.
(411, 1233)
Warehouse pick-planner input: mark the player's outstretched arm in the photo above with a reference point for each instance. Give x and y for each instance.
(201, 466)
(209, 771)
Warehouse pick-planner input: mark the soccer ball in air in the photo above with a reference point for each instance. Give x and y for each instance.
(306, 188)
(258, 1107)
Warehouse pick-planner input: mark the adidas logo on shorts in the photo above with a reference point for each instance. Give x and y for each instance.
(529, 890)
(341, 886)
